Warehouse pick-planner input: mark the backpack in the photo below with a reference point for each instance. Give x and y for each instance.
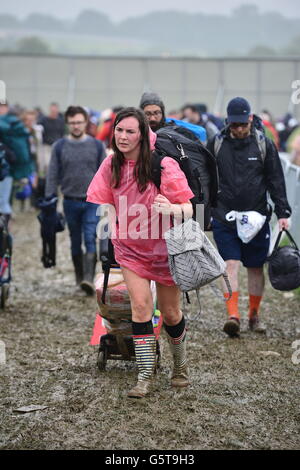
(194, 131)
(259, 134)
(196, 162)
(193, 260)
(284, 265)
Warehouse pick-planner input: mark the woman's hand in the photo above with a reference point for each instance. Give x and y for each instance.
(162, 205)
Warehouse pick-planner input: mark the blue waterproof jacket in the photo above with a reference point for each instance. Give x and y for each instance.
(14, 134)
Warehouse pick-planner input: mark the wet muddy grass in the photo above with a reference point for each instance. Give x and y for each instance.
(242, 396)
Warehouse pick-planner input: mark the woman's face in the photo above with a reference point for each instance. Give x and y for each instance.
(128, 137)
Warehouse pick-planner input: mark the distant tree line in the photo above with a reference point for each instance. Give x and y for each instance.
(246, 31)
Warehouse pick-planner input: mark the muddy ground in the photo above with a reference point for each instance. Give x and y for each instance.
(241, 397)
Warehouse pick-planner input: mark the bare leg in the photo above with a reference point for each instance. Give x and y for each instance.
(232, 268)
(168, 298)
(232, 325)
(256, 281)
(140, 296)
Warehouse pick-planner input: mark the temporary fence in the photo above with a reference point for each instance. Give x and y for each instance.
(102, 82)
(292, 181)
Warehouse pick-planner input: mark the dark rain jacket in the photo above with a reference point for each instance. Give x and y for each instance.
(245, 178)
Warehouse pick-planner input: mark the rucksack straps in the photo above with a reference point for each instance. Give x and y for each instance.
(259, 136)
(184, 163)
(218, 143)
(261, 142)
(228, 285)
(156, 168)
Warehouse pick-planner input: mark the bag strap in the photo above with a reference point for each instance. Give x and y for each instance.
(217, 292)
(277, 240)
(156, 168)
(109, 263)
(218, 143)
(291, 239)
(289, 236)
(261, 142)
(260, 139)
(106, 270)
(228, 285)
(185, 301)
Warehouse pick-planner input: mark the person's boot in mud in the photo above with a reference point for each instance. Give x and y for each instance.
(145, 353)
(177, 340)
(89, 266)
(232, 325)
(254, 322)
(78, 268)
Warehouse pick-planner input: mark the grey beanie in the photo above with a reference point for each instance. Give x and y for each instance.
(151, 98)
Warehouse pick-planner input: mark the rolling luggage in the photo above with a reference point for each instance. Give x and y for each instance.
(113, 327)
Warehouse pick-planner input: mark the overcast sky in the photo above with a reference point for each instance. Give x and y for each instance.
(120, 9)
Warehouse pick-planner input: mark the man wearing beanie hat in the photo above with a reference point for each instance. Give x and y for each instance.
(154, 110)
(249, 168)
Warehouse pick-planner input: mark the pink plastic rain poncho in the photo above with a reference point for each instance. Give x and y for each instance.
(146, 255)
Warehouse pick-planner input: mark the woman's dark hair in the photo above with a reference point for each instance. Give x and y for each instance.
(142, 170)
(73, 110)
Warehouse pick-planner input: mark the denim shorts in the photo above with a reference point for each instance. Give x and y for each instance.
(230, 246)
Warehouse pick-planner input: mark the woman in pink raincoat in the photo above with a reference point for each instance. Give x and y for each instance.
(124, 181)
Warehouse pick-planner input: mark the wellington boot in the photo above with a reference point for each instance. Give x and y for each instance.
(89, 266)
(141, 389)
(145, 354)
(78, 267)
(232, 327)
(180, 377)
(255, 324)
(88, 287)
